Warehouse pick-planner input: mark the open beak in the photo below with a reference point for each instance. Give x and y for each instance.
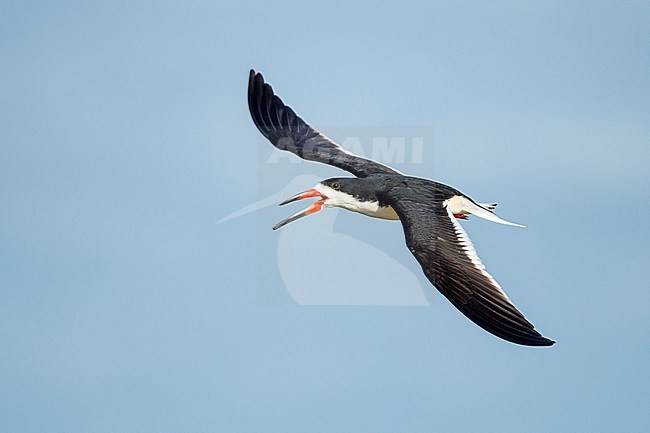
(314, 207)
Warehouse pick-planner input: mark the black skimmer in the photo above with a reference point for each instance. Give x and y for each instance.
(428, 212)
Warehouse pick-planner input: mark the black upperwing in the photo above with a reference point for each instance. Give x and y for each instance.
(282, 126)
(451, 264)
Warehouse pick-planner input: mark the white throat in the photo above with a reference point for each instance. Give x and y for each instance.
(349, 202)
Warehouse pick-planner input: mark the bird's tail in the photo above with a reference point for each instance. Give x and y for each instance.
(488, 206)
(463, 205)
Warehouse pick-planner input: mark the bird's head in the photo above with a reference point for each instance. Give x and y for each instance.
(346, 193)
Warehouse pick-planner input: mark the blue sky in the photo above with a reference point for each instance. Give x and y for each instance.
(124, 136)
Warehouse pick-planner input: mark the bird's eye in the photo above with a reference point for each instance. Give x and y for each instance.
(336, 185)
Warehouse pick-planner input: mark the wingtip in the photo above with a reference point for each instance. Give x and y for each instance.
(547, 343)
(254, 76)
(531, 342)
(541, 341)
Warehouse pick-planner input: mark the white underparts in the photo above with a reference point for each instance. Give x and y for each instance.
(459, 205)
(346, 201)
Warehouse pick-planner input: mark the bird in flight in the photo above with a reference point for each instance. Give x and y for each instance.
(428, 212)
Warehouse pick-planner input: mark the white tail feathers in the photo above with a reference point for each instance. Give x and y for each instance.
(460, 205)
(488, 206)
